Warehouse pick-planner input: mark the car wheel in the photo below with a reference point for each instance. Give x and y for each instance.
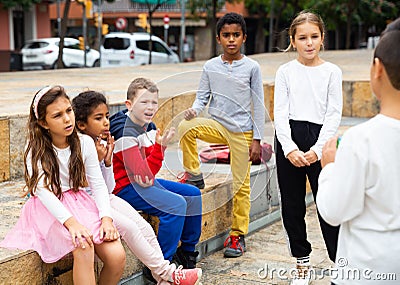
(96, 63)
(55, 65)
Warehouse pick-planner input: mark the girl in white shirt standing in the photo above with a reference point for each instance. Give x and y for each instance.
(60, 217)
(307, 111)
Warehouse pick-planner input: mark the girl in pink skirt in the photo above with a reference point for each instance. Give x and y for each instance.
(60, 217)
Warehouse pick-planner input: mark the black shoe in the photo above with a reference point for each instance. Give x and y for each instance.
(148, 276)
(188, 178)
(235, 246)
(185, 258)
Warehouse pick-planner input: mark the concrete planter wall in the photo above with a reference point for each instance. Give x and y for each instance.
(358, 101)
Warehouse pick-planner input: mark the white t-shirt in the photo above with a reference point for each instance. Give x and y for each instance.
(361, 192)
(93, 175)
(307, 93)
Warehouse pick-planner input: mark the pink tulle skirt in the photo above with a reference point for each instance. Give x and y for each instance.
(38, 230)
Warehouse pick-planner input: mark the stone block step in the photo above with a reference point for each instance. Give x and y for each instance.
(26, 267)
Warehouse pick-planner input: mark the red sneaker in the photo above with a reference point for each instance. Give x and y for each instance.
(235, 246)
(188, 178)
(186, 276)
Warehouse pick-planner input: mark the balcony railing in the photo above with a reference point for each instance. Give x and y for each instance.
(130, 6)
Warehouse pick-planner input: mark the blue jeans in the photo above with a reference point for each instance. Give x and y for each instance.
(178, 207)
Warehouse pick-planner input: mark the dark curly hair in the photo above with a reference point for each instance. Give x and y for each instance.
(84, 104)
(231, 18)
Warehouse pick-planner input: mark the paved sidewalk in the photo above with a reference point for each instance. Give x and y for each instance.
(17, 88)
(267, 254)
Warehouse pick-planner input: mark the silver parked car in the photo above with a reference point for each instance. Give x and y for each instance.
(43, 54)
(124, 49)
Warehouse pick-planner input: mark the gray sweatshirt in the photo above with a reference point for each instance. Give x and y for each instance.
(233, 92)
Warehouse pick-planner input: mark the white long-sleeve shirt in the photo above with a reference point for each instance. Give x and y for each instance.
(307, 93)
(361, 192)
(93, 175)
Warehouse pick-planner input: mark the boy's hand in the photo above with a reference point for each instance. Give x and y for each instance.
(329, 151)
(166, 137)
(147, 183)
(190, 114)
(311, 156)
(297, 158)
(80, 234)
(108, 232)
(255, 150)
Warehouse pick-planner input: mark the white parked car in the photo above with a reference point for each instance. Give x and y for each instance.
(43, 54)
(125, 49)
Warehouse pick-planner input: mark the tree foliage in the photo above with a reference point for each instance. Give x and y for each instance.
(335, 13)
(25, 4)
(368, 13)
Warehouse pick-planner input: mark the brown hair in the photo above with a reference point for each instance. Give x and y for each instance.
(301, 18)
(41, 149)
(140, 83)
(388, 52)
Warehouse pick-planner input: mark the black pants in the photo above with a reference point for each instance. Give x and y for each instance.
(292, 185)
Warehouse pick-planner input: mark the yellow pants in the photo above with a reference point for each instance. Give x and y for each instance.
(211, 131)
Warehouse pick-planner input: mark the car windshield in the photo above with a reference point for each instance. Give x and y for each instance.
(116, 43)
(34, 45)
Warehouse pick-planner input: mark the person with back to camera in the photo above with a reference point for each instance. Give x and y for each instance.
(60, 217)
(232, 83)
(360, 183)
(307, 112)
(178, 206)
(92, 118)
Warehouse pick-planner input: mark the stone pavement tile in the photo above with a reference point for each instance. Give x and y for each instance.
(267, 251)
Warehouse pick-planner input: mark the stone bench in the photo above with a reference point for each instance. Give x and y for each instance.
(26, 267)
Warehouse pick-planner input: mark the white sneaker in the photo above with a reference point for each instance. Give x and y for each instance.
(302, 276)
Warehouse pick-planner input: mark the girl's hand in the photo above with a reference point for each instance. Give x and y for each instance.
(311, 156)
(108, 232)
(166, 137)
(80, 234)
(255, 150)
(329, 151)
(190, 114)
(109, 150)
(147, 183)
(297, 158)
(105, 152)
(100, 148)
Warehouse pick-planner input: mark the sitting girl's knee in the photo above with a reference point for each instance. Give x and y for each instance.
(86, 253)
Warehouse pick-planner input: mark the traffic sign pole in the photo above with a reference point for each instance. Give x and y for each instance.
(166, 27)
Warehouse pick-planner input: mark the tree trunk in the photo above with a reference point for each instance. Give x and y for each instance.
(260, 34)
(64, 22)
(150, 32)
(337, 39)
(348, 32)
(213, 24)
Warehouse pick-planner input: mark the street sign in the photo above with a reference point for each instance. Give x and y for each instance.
(121, 23)
(166, 22)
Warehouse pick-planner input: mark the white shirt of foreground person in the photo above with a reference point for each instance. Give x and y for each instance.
(361, 192)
